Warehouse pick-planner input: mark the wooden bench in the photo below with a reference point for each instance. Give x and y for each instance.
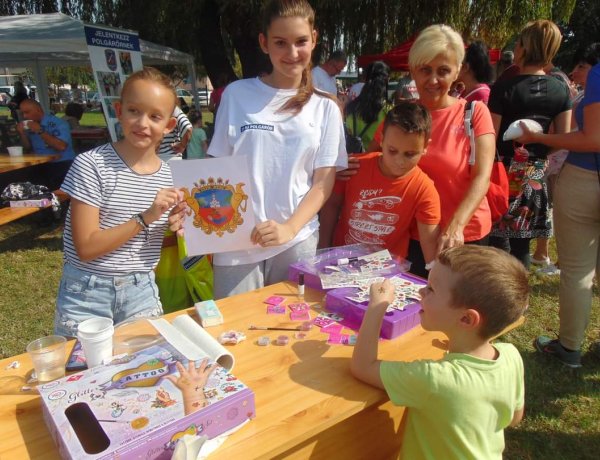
(9, 214)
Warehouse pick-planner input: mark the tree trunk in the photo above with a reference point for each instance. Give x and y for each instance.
(210, 42)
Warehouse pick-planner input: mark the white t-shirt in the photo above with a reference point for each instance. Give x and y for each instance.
(355, 90)
(101, 179)
(165, 152)
(283, 152)
(323, 81)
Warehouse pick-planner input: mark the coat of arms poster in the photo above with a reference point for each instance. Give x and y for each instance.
(217, 191)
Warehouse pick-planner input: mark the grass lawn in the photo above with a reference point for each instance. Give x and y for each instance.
(562, 406)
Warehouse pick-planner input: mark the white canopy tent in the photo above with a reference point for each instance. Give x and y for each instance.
(37, 41)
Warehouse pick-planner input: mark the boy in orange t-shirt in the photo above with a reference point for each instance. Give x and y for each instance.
(389, 193)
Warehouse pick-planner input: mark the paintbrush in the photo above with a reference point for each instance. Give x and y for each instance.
(304, 327)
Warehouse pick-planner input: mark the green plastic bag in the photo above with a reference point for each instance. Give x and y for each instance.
(182, 281)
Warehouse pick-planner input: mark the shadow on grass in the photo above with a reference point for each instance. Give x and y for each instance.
(529, 444)
(548, 383)
(39, 231)
(544, 286)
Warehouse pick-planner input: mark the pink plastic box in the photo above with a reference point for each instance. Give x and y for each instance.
(394, 324)
(313, 266)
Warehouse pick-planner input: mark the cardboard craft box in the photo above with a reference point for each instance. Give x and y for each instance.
(395, 323)
(129, 409)
(42, 203)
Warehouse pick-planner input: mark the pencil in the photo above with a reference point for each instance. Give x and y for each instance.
(265, 328)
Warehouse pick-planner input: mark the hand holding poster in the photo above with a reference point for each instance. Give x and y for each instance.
(217, 192)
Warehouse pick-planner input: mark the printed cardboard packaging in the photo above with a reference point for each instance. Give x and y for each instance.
(43, 203)
(129, 409)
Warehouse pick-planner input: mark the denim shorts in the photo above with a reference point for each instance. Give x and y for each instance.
(83, 295)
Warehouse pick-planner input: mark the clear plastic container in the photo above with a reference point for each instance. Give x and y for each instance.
(134, 335)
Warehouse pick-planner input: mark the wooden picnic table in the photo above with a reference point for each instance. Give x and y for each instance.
(8, 163)
(308, 405)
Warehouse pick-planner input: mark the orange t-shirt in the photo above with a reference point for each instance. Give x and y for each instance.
(447, 163)
(380, 210)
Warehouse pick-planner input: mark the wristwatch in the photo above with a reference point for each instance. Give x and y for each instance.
(140, 220)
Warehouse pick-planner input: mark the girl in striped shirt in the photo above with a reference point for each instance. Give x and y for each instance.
(120, 195)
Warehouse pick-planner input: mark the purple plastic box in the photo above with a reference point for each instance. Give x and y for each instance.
(128, 409)
(311, 267)
(394, 324)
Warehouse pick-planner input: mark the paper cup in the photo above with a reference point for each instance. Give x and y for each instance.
(48, 356)
(96, 337)
(16, 151)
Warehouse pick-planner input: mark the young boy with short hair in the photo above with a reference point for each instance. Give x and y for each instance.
(390, 199)
(458, 406)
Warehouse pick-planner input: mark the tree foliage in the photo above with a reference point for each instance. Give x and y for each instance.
(581, 30)
(217, 32)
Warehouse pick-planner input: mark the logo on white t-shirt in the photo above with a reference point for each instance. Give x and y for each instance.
(257, 126)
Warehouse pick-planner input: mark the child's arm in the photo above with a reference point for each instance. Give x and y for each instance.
(179, 147)
(328, 218)
(92, 242)
(428, 237)
(272, 233)
(365, 365)
(517, 417)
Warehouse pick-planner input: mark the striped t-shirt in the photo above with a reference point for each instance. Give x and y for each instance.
(165, 152)
(100, 178)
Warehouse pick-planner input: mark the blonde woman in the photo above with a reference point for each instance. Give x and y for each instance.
(435, 61)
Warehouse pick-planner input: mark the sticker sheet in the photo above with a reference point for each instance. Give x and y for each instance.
(407, 292)
(356, 271)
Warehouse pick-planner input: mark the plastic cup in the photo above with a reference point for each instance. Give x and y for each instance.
(15, 151)
(96, 337)
(48, 355)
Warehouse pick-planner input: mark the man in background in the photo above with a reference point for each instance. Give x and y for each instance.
(324, 74)
(46, 134)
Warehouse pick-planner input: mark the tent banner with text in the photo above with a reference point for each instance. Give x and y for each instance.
(115, 54)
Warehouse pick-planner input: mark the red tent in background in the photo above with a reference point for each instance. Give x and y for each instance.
(397, 58)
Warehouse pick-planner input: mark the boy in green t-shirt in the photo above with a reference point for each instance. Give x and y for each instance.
(458, 406)
(198, 144)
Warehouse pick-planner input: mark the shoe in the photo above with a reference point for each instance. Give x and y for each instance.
(553, 347)
(550, 270)
(534, 261)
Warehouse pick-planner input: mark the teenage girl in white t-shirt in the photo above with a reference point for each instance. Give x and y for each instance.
(293, 138)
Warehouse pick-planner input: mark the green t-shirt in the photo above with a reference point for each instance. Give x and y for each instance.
(194, 147)
(459, 406)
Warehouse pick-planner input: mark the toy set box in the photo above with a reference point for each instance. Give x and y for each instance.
(139, 405)
(342, 266)
(41, 203)
(401, 316)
